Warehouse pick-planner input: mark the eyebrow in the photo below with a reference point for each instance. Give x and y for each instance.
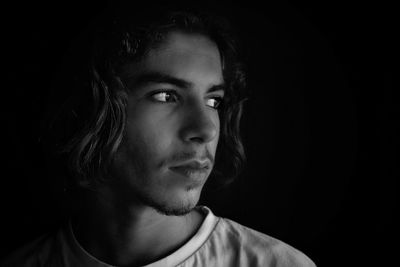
(158, 77)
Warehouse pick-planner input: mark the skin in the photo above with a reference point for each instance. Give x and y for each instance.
(147, 212)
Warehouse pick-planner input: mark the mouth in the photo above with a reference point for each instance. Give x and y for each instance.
(193, 169)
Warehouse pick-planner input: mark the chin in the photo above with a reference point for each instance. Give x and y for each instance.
(175, 204)
(174, 210)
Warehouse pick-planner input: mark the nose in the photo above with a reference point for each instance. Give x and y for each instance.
(201, 125)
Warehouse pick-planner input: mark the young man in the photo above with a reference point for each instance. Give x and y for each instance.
(161, 109)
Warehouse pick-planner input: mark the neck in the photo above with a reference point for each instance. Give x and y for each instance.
(131, 235)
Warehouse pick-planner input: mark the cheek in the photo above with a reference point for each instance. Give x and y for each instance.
(219, 125)
(149, 136)
(215, 143)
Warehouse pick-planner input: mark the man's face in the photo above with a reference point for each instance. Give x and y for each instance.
(173, 125)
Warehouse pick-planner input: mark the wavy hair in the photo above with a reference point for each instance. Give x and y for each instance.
(97, 109)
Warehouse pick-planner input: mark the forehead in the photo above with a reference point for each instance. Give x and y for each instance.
(192, 57)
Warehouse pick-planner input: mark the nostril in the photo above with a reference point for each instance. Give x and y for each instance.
(200, 130)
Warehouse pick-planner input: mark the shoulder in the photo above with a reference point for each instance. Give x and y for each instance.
(35, 253)
(258, 247)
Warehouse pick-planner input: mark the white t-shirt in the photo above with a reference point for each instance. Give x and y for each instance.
(219, 242)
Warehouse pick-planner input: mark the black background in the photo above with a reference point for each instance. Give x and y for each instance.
(320, 128)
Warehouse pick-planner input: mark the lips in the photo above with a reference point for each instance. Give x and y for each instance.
(193, 169)
(194, 164)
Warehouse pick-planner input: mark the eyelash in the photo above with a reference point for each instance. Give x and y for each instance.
(176, 97)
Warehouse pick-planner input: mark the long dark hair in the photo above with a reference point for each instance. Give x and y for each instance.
(94, 115)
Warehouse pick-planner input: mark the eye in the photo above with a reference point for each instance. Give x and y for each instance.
(214, 102)
(165, 96)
